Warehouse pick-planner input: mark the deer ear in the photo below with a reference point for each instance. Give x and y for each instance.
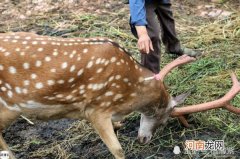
(179, 99)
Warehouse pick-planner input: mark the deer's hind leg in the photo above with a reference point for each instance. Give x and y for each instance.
(6, 118)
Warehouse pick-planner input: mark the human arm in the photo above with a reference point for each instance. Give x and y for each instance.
(138, 19)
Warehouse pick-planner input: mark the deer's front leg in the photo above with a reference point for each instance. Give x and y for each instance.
(5, 147)
(103, 126)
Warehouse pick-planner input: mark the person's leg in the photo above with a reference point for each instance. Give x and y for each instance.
(169, 36)
(151, 60)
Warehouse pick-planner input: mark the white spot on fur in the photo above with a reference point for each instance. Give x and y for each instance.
(34, 42)
(80, 72)
(3, 89)
(113, 59)
(126, 80)
(111, 78)
(12, 70)
(28, 38)
(71, 80)
(82, 91)
(69, 97)
(47, 58)
(39, 85)
(133, 94)
(118, 77)
(82, 87)
(26, 66)
(24, 42)
(64, 65)
(99, 70)
(1, 68)
(65, 53)
(59, 96)
(72, 68)
(22, 53)
(90, 64)
(85, 51)
(53, 70)
(18, 90)
(55, 53)
(98, 61)
(10, 94)
(103, 60)
(17, 49)
(33, 76)
(109, 93)
(40, 49)
(50, 82)
(90, 86)
(8, 86)
(60, 81)
(106, 62)
(44, 42)
(38, 63)
(6, 53)
(26, 82)
(74, 91)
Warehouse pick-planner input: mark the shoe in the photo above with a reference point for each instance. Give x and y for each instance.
(190, 52)
(186, 51)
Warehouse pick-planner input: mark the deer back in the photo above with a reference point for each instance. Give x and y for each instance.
(40, 72)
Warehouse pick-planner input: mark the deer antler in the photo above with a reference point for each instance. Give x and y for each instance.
(177, 62)
(223, 102)
(167, 69)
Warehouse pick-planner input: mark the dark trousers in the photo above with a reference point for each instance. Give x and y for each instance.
(160, 20)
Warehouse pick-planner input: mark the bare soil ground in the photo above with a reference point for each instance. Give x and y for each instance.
(199, 27)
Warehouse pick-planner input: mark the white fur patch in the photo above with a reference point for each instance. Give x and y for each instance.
(36, 105)
(13, 108)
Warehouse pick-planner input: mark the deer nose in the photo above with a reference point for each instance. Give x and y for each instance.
(144, 139)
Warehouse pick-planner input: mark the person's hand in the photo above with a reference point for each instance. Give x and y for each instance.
(144, 41)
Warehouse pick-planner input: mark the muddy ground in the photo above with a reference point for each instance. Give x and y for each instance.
(74, 139)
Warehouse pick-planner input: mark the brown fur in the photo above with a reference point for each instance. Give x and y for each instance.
(119, 82)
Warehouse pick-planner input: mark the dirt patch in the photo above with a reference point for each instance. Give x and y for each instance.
(68, 139)
(73, 139)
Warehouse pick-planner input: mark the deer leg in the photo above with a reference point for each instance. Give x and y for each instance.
(103, 126)
(6, 118)
(4, 146)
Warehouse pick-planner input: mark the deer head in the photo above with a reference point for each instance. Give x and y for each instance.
(156, 116)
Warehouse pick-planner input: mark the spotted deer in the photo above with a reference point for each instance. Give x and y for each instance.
(94, 79)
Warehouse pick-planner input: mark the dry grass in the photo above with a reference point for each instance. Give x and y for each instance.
(207, 78)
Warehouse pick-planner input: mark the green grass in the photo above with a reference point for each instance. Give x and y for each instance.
(208, 78)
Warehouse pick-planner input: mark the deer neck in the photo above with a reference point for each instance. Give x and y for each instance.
(147, 95)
